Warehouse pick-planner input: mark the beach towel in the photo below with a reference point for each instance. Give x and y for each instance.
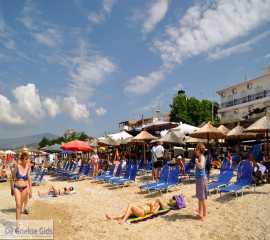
(160, 212)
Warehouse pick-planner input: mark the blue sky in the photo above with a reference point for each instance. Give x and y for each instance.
(88, 65)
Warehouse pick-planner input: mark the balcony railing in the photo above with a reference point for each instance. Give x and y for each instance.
(249, 98)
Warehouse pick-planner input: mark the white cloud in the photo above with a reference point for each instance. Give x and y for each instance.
(5, 35)
(100, 17)
(144, 84)
(101, 111)
(42, 31)
(239, 48)
(28, 101)
(8, 115)
(267, 55)
(155, 13)
(51, 37)
(87, 72)
(201, 29)
(51, 106)
(76, 110)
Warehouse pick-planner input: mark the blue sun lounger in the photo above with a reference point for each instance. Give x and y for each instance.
(244, 179)
(107, 174)
(223, 180)
(117, 174)
(163, 178)
(125, 177)
(38, 179)
(172, 181)
(132, 177)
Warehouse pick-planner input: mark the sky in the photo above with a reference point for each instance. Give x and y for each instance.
(88, 65)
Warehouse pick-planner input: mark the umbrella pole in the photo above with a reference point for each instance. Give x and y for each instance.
(144, 154)
(267, 146)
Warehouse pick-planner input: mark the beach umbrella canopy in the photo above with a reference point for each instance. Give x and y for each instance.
(185, 128)
(194, 140)
(208, 131)
(120, 136)
(77, 146)
(9, 152)
(107, 141)
(260, 126)
(238, 132)
(173, 137)
(223, 129)
(144, 136)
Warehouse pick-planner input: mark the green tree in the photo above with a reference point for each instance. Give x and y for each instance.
(192, 110)
(44, 142)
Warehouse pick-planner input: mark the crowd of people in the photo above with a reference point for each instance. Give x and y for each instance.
(202, 160)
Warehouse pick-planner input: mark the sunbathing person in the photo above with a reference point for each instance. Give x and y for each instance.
(138, 211)
(54, 192)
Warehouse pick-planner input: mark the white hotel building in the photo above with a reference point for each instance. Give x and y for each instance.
(245, 102)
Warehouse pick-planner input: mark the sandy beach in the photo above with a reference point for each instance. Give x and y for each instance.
(82, 215)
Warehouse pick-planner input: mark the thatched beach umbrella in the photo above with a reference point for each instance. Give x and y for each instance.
(262, 126)
(192, 140)
(223, 129)
(144, 137)
(238, 133)
(208, 131)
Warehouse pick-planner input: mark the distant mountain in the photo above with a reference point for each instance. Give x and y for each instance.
(29, 141)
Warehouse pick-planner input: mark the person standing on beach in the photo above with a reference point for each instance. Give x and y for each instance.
(201, 181)
(158, 151)
(21, 183)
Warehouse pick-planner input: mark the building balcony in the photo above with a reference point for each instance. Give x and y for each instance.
(246, 99)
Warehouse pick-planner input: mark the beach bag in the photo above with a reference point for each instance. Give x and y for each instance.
(180, 201)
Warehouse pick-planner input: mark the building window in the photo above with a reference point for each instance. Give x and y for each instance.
(234, 91)
(249, 85)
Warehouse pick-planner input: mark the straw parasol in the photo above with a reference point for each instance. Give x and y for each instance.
(194, 140)
(144, 137)
(262, 126)
(208, 131)
(223, 129)
(238, 133)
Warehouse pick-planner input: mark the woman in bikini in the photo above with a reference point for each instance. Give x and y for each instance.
(21, 183)
(137, 211)
(54, 192)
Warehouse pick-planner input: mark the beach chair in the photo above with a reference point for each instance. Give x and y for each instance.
(108, 173)
(117, 173)
(244, 179)
(83, 173)
(132, 177)
(171, 182)
(223, 180)
(38, 180)
(125, 177)
(65, 168)
(163, 178)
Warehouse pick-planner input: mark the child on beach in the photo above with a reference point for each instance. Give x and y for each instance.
(201, 181)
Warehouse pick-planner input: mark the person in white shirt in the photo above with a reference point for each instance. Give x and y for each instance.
(158, 152)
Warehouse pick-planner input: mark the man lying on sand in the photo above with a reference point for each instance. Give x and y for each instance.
(54, 192)
(137, 211)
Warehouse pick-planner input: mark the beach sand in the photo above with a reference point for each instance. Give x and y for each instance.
(82, 215)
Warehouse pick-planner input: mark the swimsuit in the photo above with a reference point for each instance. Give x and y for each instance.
(22, 177)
